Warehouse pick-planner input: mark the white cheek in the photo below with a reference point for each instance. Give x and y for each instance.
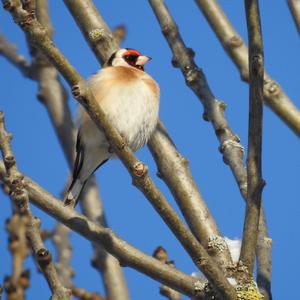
(118, 61)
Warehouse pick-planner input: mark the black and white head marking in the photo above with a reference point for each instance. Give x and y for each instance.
(127, 57)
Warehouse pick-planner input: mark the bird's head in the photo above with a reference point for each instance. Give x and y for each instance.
(128, 58)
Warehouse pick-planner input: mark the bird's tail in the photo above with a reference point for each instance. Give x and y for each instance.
(73, 193)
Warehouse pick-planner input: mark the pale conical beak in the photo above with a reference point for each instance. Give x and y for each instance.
(142, 60)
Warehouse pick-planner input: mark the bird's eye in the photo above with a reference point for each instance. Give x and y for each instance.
(130, 58)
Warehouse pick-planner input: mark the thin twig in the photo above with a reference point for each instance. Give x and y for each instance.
(119, 34)
(274, 96)
(51, 91)
(16, 284)
(9, 51)
(17, 224)
(107, 265)
(254, 171)
(294, 6)
(161, 254)
(21, 199)
(174, 169)
(163, 150)
(83, 294)
(136, 168)
(125, 253)
(44, 260)
(264, 263)
(60, 238)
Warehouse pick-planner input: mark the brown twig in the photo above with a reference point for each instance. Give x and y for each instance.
(21, 199)
(16, 284)
(60, 238)
(107, 265)
(264, 263)
(119, 34)
(82, 294)
(161, 254)
(294, 6)
(164, 151)
(174, 169)
(254, 172)
(137, 169)
(51, 91)
(44, 260)
(9, 51)
(125, 253)
(232, 43)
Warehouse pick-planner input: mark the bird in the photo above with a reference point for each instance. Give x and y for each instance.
(130, 99)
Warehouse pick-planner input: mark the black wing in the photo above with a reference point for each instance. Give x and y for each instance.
(78, 160)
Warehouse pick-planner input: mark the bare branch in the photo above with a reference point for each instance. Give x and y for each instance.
(9, 51)
(174, 169)
(230, 145)
(16, 284)
(264, 263)
(17, 224)
(85, 295)
(107, 265)
(232, 43)
(51, 91)
(105, 237)
(294, 6)
(119, 34)
(254, 172)
(137, 169)
(20, 196)
(44, 260)
(183, 187)
(60, 238)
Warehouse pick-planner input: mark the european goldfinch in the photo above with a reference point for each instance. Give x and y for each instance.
(130, 99)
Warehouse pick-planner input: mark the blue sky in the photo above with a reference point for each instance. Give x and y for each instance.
(128, 212)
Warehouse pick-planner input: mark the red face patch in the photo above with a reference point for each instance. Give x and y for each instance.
(132, 52)
(131, 56)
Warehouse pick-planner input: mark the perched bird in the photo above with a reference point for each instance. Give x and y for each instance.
(130, 99)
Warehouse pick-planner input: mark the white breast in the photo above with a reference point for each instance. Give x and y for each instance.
(130, 99)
